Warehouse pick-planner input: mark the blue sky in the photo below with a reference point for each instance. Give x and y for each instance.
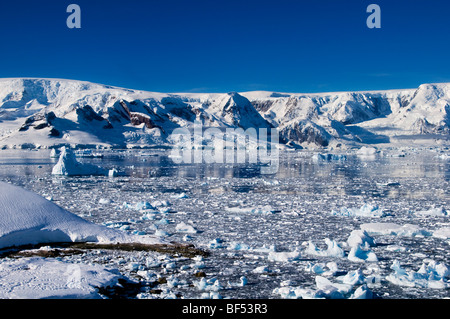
(222, 46)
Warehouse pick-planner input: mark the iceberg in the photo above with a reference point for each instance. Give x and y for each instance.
(365, 210)
(407, 230)
(430, 275)
(360, 237)
(333, 249)
(69, 166)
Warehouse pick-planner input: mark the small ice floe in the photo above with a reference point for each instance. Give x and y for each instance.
(360, 237)
(284, 256)
(407, 230)
(361, 254)
(69, 166)
(444, 156)
(327, 289)
(216, 243)
(333, 249)
(328, 269)
(435, 211)
(182, 227)
(261, 270)
(212, 284)
(365, 210)
(430, 275)
(366, 151)
(264, 210)
(113, 173)
(329, 157)
(181, 196)
(443, 233)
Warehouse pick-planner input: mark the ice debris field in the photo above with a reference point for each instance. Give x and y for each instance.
(364, 224)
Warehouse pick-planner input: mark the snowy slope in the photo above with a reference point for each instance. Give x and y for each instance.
(49, 112)
(27, 218)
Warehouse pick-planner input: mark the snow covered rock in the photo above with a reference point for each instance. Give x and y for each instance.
(69, 166)
(27, 218)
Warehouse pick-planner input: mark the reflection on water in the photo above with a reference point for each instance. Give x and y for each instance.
(416, 175)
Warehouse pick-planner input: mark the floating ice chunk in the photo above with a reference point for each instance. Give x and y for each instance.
(143, 206)
(238, 246)
(407, 230)
(439, 211)
(332, 290)
(329, 157)
(315, 268)
(69, 166)
(365, 210)
(396, 248)
(185, 228)
(432, 275)
(358, 254)
(284, 256)
(333, 249)
(443, 233)
(113, 173)
(104, 201)
(360, 237)
(160, 203)
(264, 210)
(181, 196)
(363, 292)
(353, 278)
(261, 270)
(216, 243)
(366, 151)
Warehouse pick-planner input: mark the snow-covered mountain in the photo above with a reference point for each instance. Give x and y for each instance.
(52, 112)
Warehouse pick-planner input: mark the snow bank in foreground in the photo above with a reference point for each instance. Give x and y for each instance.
(38, 278)
(69, 166)
(27, 218)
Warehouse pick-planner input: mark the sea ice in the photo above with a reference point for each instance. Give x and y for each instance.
(365, 210)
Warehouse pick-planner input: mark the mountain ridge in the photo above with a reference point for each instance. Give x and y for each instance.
(42, 113)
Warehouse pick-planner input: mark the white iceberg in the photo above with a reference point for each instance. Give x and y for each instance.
(430, 275)
(333, 249)
(360, 237)
(284, 256)
(28, 219)
(69, 166)
(435, 211)
(361, 254)
(365, 210)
